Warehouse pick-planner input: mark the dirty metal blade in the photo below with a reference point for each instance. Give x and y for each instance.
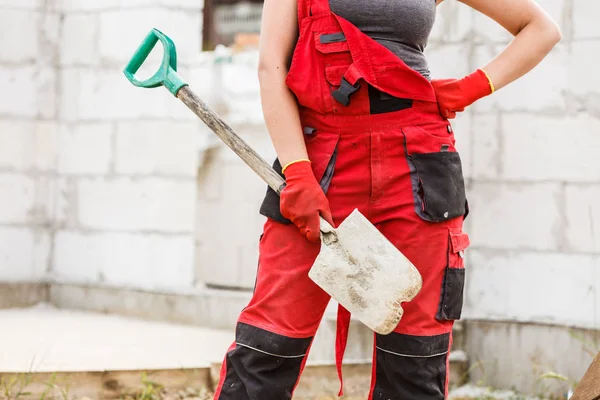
(365, 273)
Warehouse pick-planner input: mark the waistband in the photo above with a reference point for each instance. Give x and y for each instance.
(419, 112)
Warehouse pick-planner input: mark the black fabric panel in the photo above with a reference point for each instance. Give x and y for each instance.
(255, 372)
(421, 376)
(270, 205)
(381, 102)
(414, 345)
(441, 184)
(451, 302)
(332, 38)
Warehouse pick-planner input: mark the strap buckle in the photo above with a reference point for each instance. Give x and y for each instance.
(343, 93)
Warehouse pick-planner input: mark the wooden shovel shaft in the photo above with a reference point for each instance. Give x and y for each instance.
(231, 139)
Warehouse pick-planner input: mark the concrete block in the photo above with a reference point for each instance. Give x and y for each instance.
(583, 85)
(147, 204)
(79, 39)
(93, 94)
(486, 30)
(85, 148)
(553, 288)
(46, 145)
(585, 26)
(24, 253)
(462, 127)
(150, 262)
(487, 150)
(157, 147)
(582, 208)
(453, 22)
(22, 4)
(224, 234)
(448, 60)
(209, 180)
(76, 5)
(19, 91)
(18, 140)
(515, 216)
(28, 91)
(542, 89)
(129, 27)
(21, 48)
(550, 148)
(27, 145)
(18, 198)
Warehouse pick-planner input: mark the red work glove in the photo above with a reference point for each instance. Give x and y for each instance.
(453, 95)
(303, 200)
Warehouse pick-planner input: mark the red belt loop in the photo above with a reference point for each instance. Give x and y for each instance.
(341, 340)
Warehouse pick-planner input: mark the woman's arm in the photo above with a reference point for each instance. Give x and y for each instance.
(535, 35)
(277, 40)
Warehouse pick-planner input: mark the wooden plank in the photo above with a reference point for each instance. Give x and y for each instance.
(589, 386)
(99, 385)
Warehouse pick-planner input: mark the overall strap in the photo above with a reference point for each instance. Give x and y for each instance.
(319, 7)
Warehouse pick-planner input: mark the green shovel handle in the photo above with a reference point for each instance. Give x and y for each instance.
(167, 73)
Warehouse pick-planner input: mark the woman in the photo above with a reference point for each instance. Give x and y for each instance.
(357, 122)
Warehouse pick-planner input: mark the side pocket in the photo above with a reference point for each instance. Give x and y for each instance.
(270, 205)
(452, 294)
(440, 187)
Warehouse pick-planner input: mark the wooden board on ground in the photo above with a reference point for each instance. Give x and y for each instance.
(589, 387)
(100, 385)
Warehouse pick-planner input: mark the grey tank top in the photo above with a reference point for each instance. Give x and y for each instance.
(403, 26)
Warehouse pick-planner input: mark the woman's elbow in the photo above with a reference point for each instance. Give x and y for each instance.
(550, 32)
(269, 71)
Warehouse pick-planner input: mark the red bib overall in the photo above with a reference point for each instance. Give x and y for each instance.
(377, 143)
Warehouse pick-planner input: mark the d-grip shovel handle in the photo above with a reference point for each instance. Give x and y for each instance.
(167, 73)
(167, 76)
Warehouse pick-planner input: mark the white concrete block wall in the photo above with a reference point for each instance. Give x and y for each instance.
(128, 157)
(98, 177)
(28, 133)
(533, 169)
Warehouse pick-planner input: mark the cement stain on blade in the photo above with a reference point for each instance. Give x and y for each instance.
(356, 299)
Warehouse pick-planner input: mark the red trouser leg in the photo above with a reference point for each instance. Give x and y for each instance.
(412, 362)
(275, 331)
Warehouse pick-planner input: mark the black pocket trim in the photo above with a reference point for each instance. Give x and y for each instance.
(451, 302)
(438, 186)
(332, 37)
(411, 367)
(270, 205)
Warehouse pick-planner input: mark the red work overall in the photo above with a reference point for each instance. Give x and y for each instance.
(377, 143)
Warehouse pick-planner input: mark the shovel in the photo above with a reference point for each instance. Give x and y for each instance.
(357, 266)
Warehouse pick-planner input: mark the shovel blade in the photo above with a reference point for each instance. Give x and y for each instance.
(365, 273)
